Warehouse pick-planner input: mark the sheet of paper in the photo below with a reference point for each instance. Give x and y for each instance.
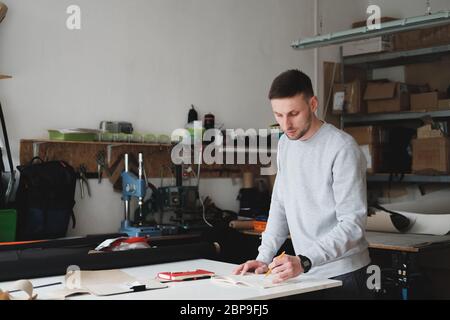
(434, 224)
(437, 202)
(102, 282)
(431, 212)
(23, 290)
(251, 280)
(381, 221)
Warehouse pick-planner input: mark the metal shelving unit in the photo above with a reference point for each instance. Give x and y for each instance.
(382, 117)
(389, 59)
(408, 178)
(369, 62)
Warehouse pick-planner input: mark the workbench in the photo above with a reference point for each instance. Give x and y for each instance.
(203, 289)
(418, 266)
(413, 266)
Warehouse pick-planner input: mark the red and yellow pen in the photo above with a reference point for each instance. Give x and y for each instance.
(270, 269)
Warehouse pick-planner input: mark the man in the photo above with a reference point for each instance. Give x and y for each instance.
(319, 196)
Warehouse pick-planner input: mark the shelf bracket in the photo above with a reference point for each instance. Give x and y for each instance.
(36, 148)
(109, 151)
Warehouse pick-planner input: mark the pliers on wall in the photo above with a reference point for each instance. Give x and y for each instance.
(84, 181)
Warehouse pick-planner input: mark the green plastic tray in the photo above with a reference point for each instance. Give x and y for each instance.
(72, 136)
(8, 221)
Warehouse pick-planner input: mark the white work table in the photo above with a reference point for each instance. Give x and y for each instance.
(204, 289)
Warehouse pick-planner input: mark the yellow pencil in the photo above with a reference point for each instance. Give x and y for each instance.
(270, 269)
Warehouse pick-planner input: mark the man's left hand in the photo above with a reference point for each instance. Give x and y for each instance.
(285, 268)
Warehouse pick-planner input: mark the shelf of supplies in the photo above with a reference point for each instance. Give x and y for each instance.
(2, 76)
(157, 157)
(388, 59)
(412, 178)
(378, 117)
(105, 143)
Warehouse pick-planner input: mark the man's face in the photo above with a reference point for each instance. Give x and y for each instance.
(294, 115)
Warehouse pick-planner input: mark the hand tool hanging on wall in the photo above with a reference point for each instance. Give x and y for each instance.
(101, 165)
(83, 181)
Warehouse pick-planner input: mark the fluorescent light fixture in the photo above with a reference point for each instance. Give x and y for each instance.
(427, 21)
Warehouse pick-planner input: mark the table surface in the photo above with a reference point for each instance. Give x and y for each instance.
(203, 289)
(405, 242)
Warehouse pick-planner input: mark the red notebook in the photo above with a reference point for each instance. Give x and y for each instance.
(185, 275)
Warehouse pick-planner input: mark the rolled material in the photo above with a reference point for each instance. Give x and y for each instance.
(3, 11)
(247, 180)
(241, 225)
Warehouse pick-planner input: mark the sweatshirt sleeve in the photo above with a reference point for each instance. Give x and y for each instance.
(277, 229)
(350, 193)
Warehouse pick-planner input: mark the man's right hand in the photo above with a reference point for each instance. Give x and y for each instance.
(253, 265)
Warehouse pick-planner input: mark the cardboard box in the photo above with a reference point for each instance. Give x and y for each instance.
(387, 97)
(373, 135)
(395, 74)
(427, 131)
(373, 155)
(372, 45)
(363, 23)
(434, 75)
(425, 101)
(444, 104)
(351, 100)
(431, 156)
(422, 38)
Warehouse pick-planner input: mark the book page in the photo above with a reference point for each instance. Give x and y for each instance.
(250, 280)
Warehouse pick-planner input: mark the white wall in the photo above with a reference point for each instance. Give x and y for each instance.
(335, 16)
(146, 61)
(409, 8)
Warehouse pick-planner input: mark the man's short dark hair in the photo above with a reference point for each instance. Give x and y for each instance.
(291, 83)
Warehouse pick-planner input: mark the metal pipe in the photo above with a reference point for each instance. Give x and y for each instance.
(127, 210)
(126, 200)
(141, 161)
(316, 50)
(140, 220)
(427, 21)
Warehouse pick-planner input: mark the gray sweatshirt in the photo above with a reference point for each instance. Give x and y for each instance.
(319, 199)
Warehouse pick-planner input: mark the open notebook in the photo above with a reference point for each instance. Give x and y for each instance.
(250, 280)
(102, 283)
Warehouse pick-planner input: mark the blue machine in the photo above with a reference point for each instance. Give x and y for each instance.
(135, 187)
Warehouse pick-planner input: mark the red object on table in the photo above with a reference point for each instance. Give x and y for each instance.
(185, 275)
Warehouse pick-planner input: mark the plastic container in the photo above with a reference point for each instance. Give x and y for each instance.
(106, 136)
(136, 138)
(150, 138)
(8, 222)
(164, 139)
(72, 136)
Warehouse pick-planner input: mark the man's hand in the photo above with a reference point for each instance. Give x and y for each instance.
(252, 265)
(285, 268)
